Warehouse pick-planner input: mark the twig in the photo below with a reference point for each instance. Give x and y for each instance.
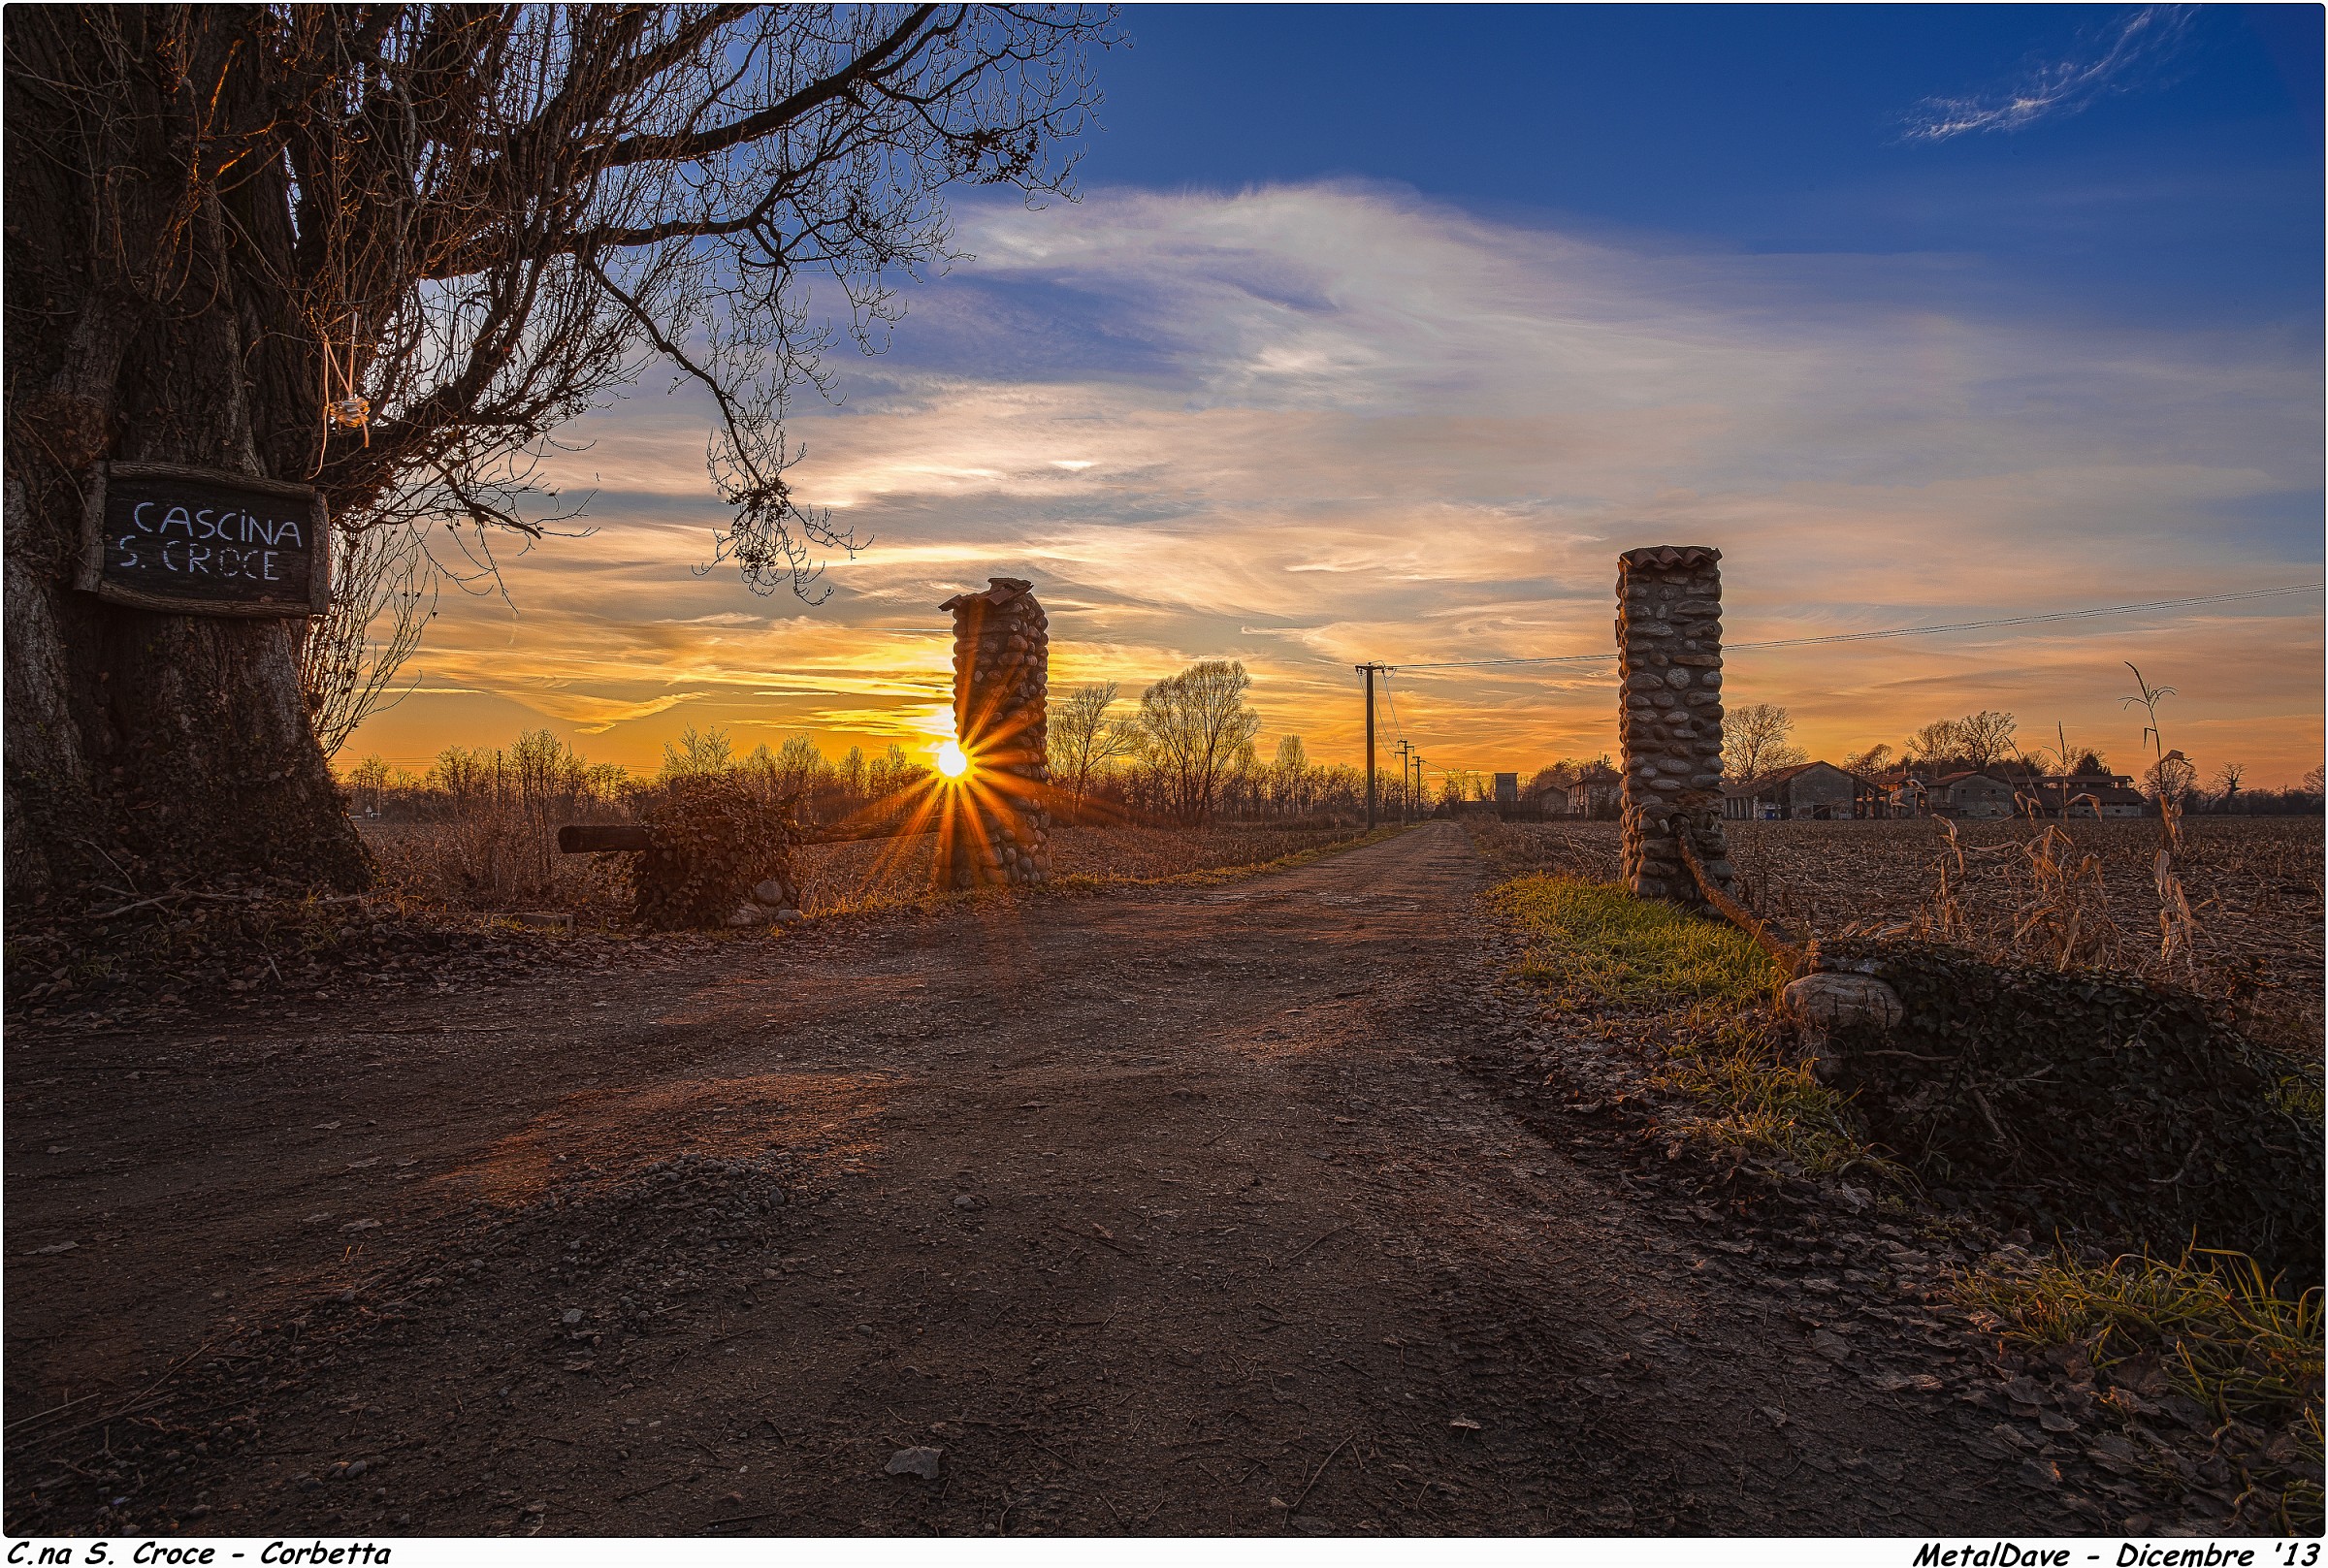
(1294, 1506)
(441, 1029)
(159, 898)
(1106, 1242)
(1987, 1115)
(743, 1519)
(1305, 1246)
(2176, 1179)
(26, 1421)
(110, 861)
(135, 1400)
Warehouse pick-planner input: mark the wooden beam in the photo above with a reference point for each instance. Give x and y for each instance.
(602, 837)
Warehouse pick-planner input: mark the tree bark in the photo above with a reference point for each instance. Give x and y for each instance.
(145, 749)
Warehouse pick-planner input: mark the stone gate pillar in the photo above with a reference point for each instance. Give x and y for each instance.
(1670, 675)
(994, 829)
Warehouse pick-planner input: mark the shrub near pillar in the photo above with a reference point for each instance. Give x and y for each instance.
(1670, 719)
(995, 828)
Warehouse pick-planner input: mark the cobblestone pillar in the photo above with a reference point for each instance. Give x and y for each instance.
(1669, 674)
(995, 830)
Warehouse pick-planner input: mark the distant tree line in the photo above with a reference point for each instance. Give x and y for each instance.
(1186, 753)
(1756, 742)
(544, 779)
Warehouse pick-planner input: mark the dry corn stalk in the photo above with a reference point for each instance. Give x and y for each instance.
(1943, 919)
(2178, 927)
(2066, 917)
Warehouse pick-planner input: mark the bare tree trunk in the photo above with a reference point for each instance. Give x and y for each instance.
(141, 747)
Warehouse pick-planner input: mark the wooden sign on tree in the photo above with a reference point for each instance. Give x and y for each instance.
(198, 541)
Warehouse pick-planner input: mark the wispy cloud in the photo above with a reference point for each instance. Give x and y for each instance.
(2113, 60)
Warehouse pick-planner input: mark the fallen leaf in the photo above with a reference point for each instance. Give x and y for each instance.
(61, 1246)
(2025, 1391)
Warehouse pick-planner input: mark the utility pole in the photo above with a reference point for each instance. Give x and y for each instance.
(1370, 671)
(1405, 796)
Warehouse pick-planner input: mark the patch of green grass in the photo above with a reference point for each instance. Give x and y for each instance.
(1594, 944)
(2240, 1344)
(1761, 1102)
(2299, 1092)
(2224, 1335)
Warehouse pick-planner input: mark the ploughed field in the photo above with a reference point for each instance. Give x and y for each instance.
(2253, 882)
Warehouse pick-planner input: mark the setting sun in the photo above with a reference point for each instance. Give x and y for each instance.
(950, 760)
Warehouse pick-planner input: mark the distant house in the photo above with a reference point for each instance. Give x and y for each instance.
(1894, 792)
(2089, 794)
(1508, 789)
(1815, 791)
(1551, 800)
(1598, 792)
(1970, 795)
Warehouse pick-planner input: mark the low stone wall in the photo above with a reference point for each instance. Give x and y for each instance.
(1669, 717)
(995, 829)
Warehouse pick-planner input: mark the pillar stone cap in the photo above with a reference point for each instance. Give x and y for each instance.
(1671, 555)
(1000, 590)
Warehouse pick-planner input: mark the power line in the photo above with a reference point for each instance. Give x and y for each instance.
(1906, 631)
(1392, 698)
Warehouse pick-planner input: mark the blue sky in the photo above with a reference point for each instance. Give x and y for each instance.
(2185, 180)
(1378, 332)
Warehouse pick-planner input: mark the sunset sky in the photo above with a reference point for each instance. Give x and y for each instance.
(1377, 333)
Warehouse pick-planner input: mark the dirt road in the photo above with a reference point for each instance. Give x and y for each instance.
(1168, 1212)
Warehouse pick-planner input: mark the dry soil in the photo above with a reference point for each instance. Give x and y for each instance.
(1173, 1211)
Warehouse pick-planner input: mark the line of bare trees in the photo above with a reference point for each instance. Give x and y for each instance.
(1187, 752)
(1757, 740)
